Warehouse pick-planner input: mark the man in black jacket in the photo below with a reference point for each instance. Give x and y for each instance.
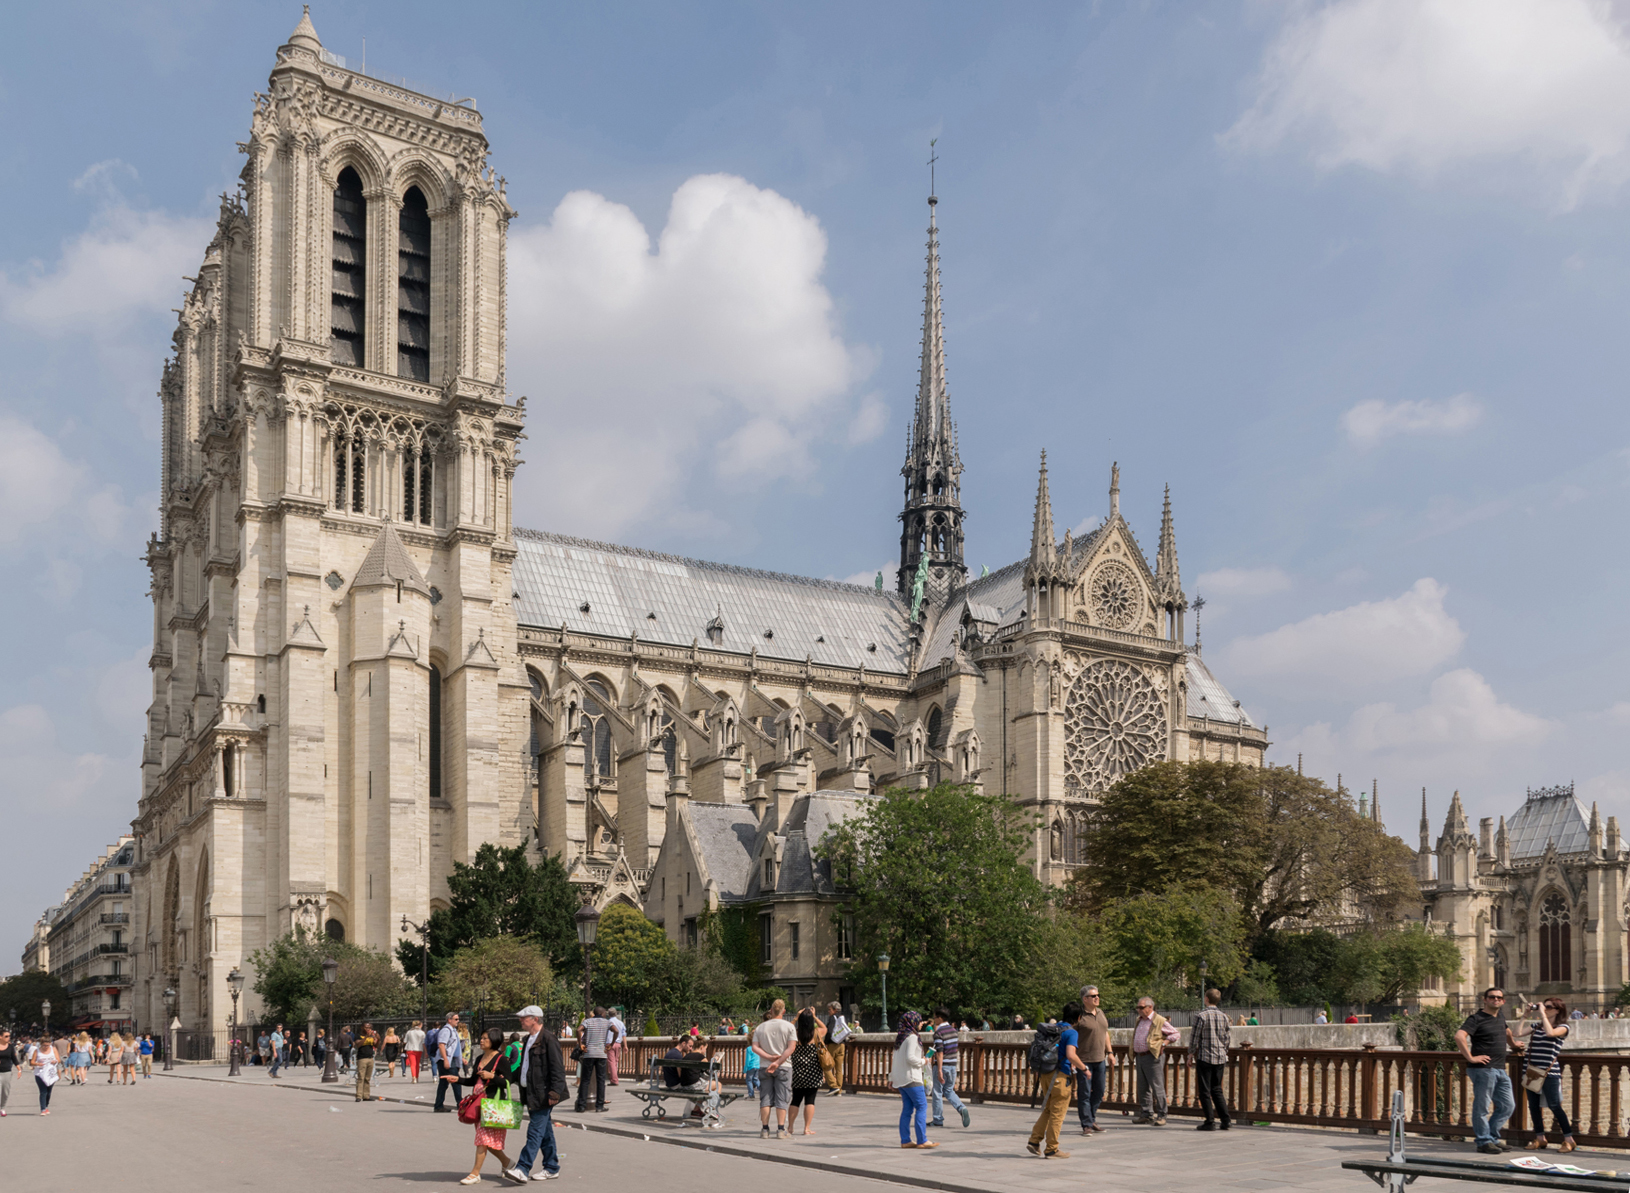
(540, 1075)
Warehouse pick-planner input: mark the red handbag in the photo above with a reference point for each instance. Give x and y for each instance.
(469, 1106)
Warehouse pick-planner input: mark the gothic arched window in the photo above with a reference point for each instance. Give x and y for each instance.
(350, 472)
(413, 287)
(1555, 939)
(417, 477)
(596, 729)
(936, 721)
(347, 312)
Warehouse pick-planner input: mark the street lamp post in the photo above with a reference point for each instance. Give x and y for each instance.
(883, 968)
(588, 924)
(424, 966)
(1202, 985)
(45, 1014)
(234, 983)
(169, 1028)
(331, 969)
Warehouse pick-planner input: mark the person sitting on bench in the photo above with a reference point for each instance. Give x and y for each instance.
(693, 1078)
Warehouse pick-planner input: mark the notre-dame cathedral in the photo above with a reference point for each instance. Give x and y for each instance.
(362, 670)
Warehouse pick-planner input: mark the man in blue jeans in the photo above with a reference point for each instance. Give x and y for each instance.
(945, 1066)
(1093, 1047)
(540, 1075)
(1483, 1041)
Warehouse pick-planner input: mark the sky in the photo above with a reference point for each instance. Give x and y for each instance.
(1351, 277)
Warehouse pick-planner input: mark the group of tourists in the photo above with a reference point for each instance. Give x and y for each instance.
(71, 1058)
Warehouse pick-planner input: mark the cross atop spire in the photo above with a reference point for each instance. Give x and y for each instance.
(932, 518)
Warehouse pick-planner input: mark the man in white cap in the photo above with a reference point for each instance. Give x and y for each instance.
(540, 1075)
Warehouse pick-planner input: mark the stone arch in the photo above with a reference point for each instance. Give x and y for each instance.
(352, 147)
(413, 167)
(169, 950)
(201, 910)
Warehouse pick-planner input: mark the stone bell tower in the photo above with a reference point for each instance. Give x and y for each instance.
(338, 710)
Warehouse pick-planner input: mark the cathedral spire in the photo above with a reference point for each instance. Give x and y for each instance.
(1426, 824)
(305, 33)
(1168, 581)
(932, 518)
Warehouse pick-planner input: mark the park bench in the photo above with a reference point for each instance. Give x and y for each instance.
(1397, 1170)
(656, 1093)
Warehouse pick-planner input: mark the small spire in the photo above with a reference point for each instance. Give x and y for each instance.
(1375, 801)
(1114, 491)
(1043, 552)
(305, 33)
(1168, 581)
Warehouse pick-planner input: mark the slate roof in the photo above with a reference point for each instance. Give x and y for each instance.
(730, 841)
(1208, 698)
(997, 598)
(726, 835)
(843, 625)
(387, 562)
(1548, 816)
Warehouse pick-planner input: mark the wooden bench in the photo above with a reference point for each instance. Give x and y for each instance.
(1398, 1170)
(656, 1092)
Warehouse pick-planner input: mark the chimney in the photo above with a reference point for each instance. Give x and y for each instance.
(1485, 837)
(1613, 836)
(678, 787)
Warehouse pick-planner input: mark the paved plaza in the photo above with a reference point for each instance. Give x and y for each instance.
(198, 1130)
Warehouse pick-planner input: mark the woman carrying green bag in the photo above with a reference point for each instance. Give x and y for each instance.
(498, 1113)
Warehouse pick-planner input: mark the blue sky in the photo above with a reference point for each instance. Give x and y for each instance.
(1350, 277)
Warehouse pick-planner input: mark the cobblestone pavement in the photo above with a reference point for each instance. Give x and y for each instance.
(197, 1129)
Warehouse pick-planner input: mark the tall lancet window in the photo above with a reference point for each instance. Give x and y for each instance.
(347, 318)
(418, 476)
(350, 472)
(413, 288)
(435, 733)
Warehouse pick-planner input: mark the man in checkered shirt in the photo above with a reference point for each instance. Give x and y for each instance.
(1209, 1044)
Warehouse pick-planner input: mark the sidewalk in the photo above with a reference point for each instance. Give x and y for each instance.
(857, 1135)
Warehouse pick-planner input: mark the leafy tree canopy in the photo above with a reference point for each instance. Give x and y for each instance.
(1160, 938)
(939, 882)
(632, 959)
(1373, 965)
(501, 974)
(289, 979)
(1284, 845)
(24, 994)
(501, 894)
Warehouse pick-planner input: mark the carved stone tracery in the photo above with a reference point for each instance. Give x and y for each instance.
(1115, 596)
(1114, 723)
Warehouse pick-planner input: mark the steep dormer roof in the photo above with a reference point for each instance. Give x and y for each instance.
(388, 564)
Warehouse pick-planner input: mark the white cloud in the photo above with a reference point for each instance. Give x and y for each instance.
(719, 350)
(1371, 421)
(1368, 643)
(127, 264)
(1540, 88)
(1243, 582)
(1462, 716)
(1620, 713)
(39, 484)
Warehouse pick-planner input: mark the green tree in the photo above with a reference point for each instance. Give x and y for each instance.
(1160, 938)
(1381, 965)
(24, 993)
(697, 980)
(938, 881)
(1305, 964)
(500, 974)
(632, 958)
(501, 894)
(289, 979)
(1288, 848)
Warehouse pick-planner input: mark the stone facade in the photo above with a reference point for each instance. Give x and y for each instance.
(361, 673)
(1537, 903)
(338, 712)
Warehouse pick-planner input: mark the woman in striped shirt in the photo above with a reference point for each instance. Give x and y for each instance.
(1549, 1030)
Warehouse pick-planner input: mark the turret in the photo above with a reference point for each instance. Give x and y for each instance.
(1595, 831)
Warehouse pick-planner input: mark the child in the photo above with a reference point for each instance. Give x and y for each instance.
(750, 1071)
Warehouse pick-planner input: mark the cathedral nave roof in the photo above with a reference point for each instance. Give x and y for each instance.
(785, 617)
(1550, 814)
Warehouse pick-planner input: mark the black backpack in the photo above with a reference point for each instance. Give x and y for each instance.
(1044, 1047)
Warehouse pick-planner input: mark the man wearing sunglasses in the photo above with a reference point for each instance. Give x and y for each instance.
(1483, 1041)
